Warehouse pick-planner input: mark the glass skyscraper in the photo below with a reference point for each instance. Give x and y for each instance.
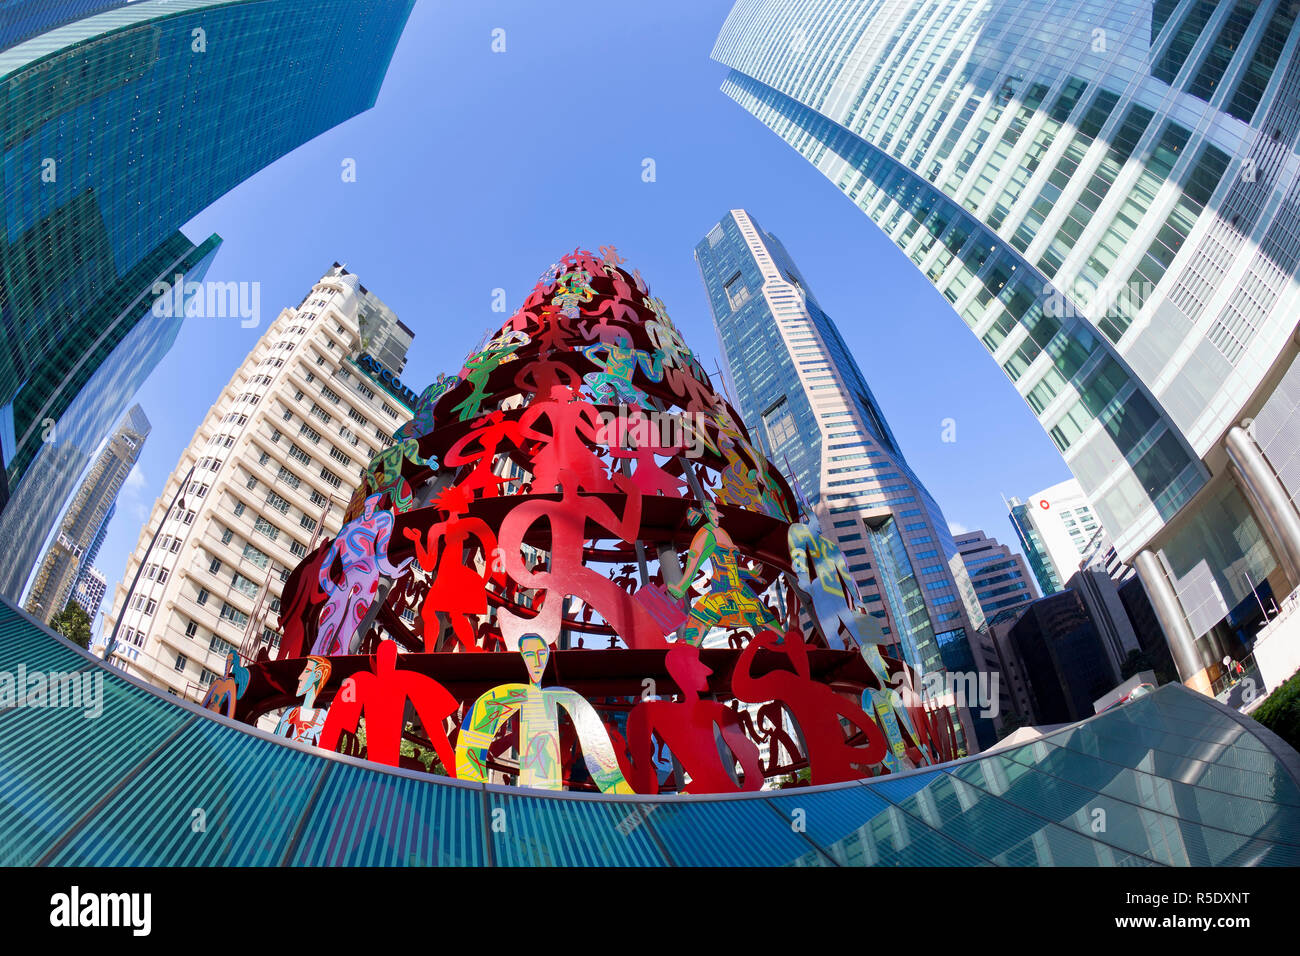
(1108, 193)
(804, 397)
(82, 529)
(121, 122)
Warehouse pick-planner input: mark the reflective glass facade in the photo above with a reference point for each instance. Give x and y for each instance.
(194, 94)
(1088, 184)
(29, 520)
(1183, 782)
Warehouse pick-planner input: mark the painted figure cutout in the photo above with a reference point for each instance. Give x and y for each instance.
(423, 422)
(823, 577)
(571, 289)
(225, 691)
(539, 729)
(479, 447)
(380, 697)
(362, 548)
(688, 728)
(479, 369)
(384, 474)
(455, 587)
(568, 575)
(729, 602)
(304, 722)
(613, 384)
(633, 437)
(817, 710)
(575, 429)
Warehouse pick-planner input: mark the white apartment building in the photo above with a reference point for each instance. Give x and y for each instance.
(274, 464)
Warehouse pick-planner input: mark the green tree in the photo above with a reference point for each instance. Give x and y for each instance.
(73, 623)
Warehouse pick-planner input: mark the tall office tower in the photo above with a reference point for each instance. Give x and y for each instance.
(1109, 196)
(89, 591)
(97, 541)
(80, 530)
(999, 575)
(806, 400)
(120, 126)
(273, 466)
(1056, 528)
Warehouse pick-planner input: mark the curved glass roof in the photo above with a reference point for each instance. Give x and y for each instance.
(1171, 779)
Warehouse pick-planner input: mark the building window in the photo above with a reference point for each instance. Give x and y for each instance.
(181, 661)
(266, 528)
(340, 457)
(330, 477)
(361, 387)
(300, 550)
(308, 523)
(275, 501)
(234, 615)
(239, 509)
(226, 536)
(299, 455)
(215, 566)
(191, 629)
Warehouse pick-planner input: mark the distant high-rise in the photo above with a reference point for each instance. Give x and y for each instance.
(121, 122)
(1109, 196)
(805, 398)
(1056, 527)
(275, 462)
(89, 591)
(81, 530)
(999, 576)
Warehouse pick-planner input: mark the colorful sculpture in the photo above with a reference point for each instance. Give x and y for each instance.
(539, 729)
(362, 549)
(224, 692)
(580, 491)
(729, 601)
(381, 698)
(303, 722)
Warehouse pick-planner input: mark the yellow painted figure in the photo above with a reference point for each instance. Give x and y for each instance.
(539, 729)
(730, 602)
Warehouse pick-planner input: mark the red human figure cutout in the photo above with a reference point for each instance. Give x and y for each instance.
(567, 575)
(638, 432)
(549, 379)
(574, 428)
(496, 428)
(687, 728)
(455, 588)
(381, 696)
(816, 708)
(610, 326)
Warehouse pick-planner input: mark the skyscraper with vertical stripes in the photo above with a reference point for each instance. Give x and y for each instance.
(805, 398)
(1108, 193)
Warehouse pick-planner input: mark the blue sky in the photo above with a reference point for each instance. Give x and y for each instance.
(476, 170)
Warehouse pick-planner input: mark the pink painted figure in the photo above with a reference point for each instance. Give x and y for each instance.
(362, 547)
